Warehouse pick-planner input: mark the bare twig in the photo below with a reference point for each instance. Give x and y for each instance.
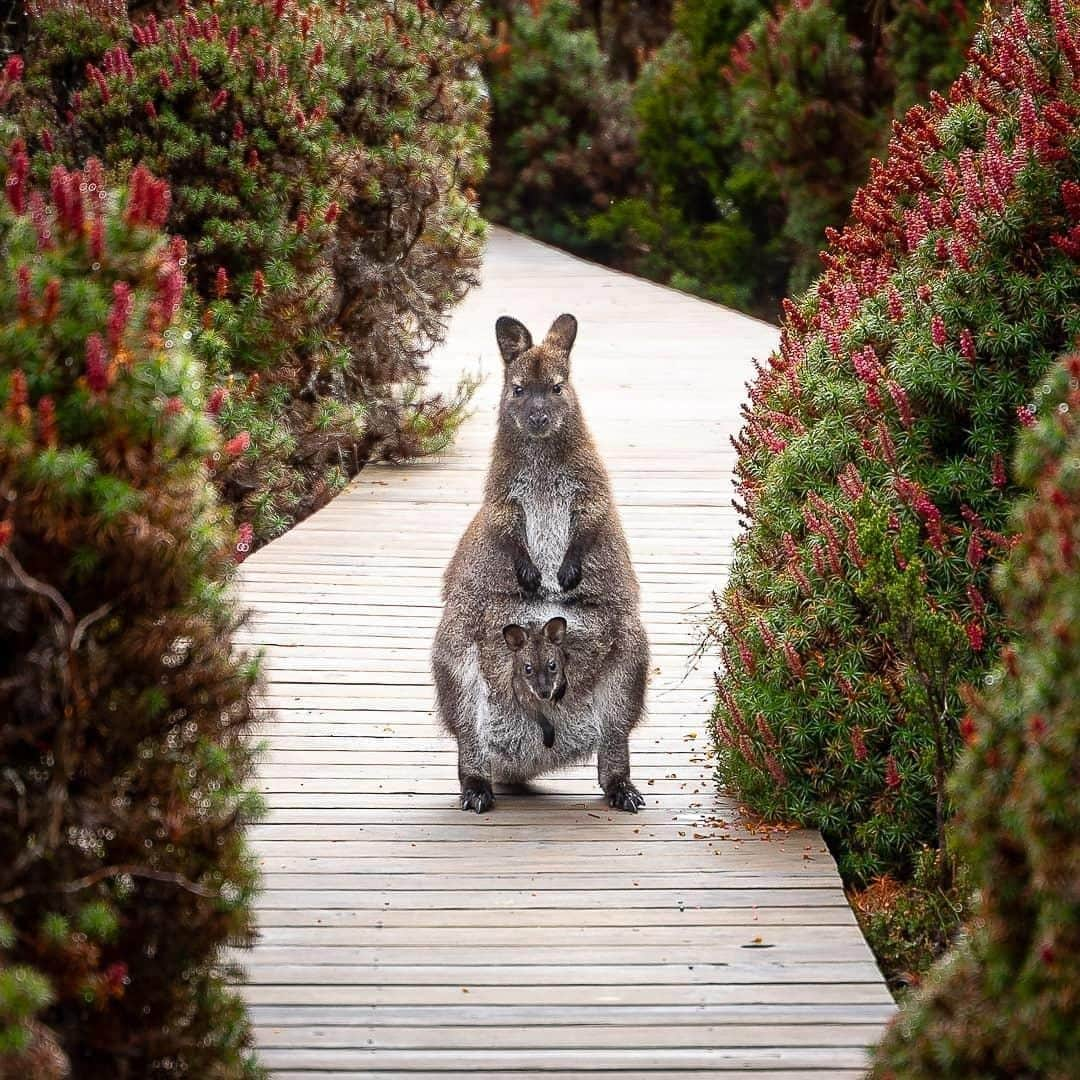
(104, 872)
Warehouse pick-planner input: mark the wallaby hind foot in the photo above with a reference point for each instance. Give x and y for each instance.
(476, 794)
(622, 795)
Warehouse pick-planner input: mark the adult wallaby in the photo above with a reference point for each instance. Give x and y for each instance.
(546, 543)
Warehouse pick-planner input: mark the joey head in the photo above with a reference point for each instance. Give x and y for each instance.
(539, 679)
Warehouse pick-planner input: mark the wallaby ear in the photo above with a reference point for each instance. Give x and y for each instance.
(515, 637)
(513, 338)
(562, 334)
(555, 630)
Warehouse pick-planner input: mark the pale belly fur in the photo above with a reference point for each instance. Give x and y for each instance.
(546, 502)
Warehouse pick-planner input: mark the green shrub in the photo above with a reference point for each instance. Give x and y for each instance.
(755, 129)
(871, 465)
(561, 132)
(123, 869)
(321, 157)
(708, 220)
(1004, 1003)
(803, 98)
(629, 31)
(909, 924)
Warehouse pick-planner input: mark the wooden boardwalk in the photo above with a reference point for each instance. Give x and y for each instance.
(551, 937)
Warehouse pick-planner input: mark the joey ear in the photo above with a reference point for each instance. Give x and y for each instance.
(515, 637)
(562, 334)
(513, 338)
(555, 630)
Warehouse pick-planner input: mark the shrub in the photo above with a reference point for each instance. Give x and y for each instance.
(804, 101)
(871, 465)
(708, 219)
(123, 869)
(1004, 1004)
(756, 127)
(561, 133)
(629, 31)
(321, 158)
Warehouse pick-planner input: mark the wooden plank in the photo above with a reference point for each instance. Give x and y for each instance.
(554, 936)
(539, 1015)
(748, 1058)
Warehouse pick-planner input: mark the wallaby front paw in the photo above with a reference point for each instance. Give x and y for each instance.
(527, 574)
(476, 794)
(624, 796)
(569, 574)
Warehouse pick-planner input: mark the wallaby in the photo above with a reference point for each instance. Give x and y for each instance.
(539, 679)
(546, 543)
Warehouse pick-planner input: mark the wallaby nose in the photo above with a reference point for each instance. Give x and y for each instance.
(538, 418)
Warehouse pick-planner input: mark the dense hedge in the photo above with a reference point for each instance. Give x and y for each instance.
(872, 465)
(321, 157)
(1005, 1004)
(123, 869)
(561, 131)
(756, 125)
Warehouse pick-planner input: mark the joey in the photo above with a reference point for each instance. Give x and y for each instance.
(539, 679)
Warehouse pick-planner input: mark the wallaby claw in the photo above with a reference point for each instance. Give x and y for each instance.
(527, 574)
(477, 796)
(569, 575)
(624, 796)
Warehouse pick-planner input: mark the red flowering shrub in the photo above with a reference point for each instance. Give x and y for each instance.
(123, 708)
(872, 462)
(1005, 1003)
(320, 155)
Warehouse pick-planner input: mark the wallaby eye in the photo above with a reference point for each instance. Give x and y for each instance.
(528, 669)
(557, 388)
(552, 665)
(518, 391)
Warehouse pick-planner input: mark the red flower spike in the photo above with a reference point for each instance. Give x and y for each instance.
(46, 410)
(22, 286)
(245, 534)
(997, 472)
(18, 173)
(258, 283)
(18, 398)
(97, 365)
(892, 773)
(119, 314)
(170, 288)
(221, 283)
(969, 731)
(937, 331)
(858, 746)
(51, 301)
(238, 444)
(97, 240)
(1026, 415)
(217, 399)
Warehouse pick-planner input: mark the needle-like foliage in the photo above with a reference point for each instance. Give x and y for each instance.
(124, 761)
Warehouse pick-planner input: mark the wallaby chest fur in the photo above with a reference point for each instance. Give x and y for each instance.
(545, 493)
